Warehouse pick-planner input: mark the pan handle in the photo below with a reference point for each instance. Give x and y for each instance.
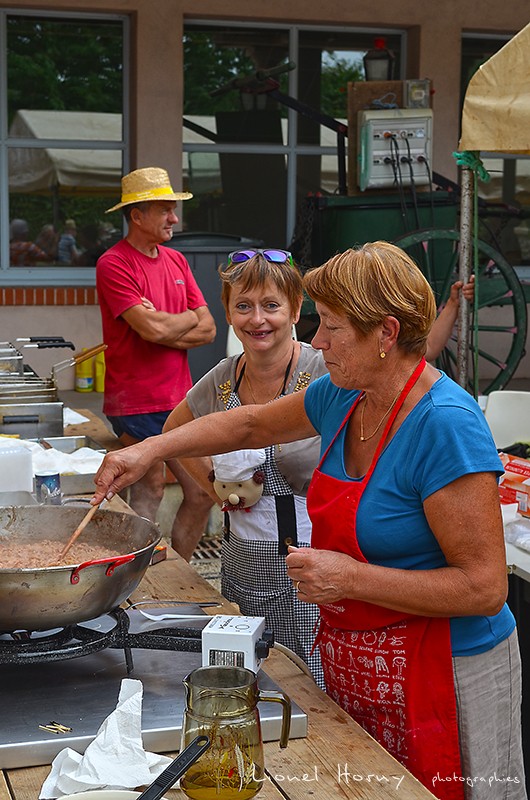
(93, 351)
(40, 339)
(77, 359)
(19, 419)
(113, 562)
(53, 343)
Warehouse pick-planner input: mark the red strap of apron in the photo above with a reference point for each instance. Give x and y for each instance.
(395, 411)
(343, 613)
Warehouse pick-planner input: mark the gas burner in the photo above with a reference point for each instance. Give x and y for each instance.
(83, 639)
(30, 647)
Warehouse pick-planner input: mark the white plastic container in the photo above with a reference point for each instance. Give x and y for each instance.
(16, 470)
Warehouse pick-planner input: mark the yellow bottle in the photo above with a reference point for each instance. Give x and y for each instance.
(99, 370)
(84, 375)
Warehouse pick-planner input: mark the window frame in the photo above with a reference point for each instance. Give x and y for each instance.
(52, 276)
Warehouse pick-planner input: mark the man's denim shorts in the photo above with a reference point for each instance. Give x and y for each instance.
(139, 426)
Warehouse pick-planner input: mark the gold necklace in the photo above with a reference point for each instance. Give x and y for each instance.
(247, 381)
(280, 391)
(364, 438)
(283, 384)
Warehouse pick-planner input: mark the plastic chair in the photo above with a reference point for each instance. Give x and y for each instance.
(508, 415)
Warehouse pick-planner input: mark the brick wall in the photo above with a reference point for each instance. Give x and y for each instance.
(48, 296)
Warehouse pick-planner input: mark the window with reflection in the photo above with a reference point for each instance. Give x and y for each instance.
(65, 139)
(256, 101)
(226, 108)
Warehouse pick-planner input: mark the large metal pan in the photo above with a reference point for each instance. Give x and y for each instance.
(42, 599)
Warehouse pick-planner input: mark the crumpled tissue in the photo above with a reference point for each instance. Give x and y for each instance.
(115, 759)
(71, 417)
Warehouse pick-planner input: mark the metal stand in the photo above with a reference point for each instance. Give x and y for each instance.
(465, 261)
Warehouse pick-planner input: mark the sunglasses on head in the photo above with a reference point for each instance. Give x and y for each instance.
(273, 256)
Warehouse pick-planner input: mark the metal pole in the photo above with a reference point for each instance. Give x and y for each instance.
(465, 261)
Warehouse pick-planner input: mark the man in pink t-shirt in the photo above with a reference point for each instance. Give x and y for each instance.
(152, 313)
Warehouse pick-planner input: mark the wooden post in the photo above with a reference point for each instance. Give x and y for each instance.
(465, 262)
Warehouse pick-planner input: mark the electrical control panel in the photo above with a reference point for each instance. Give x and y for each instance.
(395, 147)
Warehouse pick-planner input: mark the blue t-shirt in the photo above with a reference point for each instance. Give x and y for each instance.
(443, 438)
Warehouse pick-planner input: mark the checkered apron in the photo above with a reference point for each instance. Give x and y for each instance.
(254, 574)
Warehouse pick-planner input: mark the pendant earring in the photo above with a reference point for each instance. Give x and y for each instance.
(382, 354)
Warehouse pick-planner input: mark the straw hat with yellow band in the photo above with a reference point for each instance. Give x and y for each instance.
(144, 185)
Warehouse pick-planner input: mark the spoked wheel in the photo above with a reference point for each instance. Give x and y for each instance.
(502, 316)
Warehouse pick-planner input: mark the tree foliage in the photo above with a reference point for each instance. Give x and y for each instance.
(336, 73)
(207, 67)
(64, 65)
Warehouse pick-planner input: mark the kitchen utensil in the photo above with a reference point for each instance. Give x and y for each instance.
(221, 703)
(37, 599)
(40, 339)
(78, 531)
(30, 418)
(17, 499)
(208, 604)
(41, 343)
(176, 769)
(158, 617)
(77, 359)
(31, 408)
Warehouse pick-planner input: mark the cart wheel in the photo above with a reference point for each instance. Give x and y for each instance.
(502, 315)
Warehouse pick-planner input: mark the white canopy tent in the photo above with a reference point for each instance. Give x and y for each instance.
(87, 170)
(60, 169)
(496, 114)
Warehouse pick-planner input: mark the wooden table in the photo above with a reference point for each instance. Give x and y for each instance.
(337, 759)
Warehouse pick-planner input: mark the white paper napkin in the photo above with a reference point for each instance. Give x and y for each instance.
(71, 417)
(83, 461)
(116, 759)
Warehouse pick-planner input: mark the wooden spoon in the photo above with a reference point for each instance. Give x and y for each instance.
(80, 528)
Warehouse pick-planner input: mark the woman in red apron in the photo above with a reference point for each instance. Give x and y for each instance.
(391, 650)
(386, 630)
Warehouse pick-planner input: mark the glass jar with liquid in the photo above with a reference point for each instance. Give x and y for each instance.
(221, 703)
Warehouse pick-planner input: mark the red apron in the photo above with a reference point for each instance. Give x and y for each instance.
(391, 671)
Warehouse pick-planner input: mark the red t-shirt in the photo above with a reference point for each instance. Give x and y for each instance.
(142, 377)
